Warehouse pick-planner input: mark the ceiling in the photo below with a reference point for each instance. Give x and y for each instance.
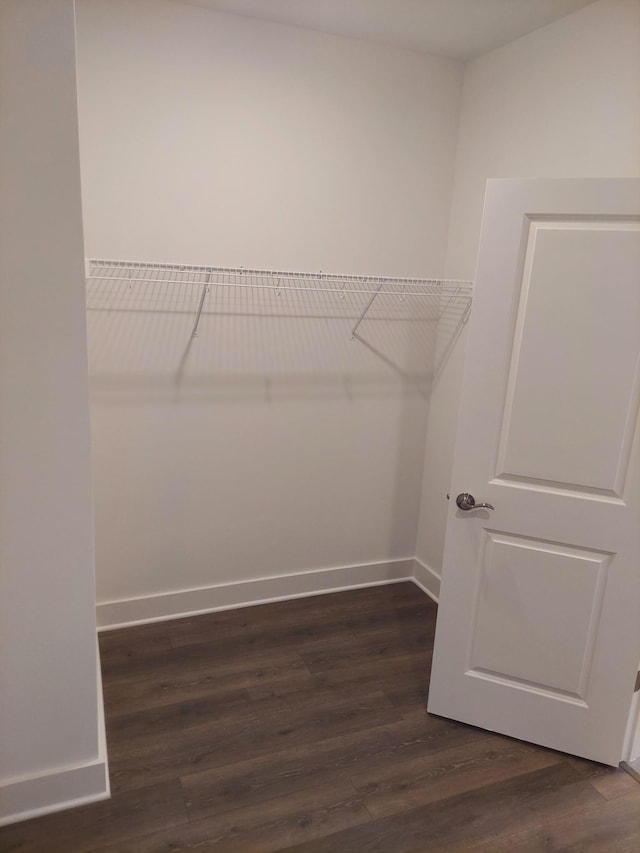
(460, 29)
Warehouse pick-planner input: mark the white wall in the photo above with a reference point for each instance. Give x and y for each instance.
(563, 101)
(212, 138)
(280, 446)
(49, 731)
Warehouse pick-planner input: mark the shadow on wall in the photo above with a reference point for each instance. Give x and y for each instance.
(255, 343)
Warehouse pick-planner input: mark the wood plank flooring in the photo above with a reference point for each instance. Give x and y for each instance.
(301, 726)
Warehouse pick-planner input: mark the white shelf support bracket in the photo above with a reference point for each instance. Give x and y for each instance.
(205, 290)
(365, 310)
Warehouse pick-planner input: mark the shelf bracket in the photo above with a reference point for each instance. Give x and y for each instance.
(205, 290)
(365, 310)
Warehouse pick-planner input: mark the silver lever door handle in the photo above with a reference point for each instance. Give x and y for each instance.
(467, 502)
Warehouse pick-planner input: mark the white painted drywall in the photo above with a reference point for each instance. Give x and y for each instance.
(48, 693)
(282, 447)
(563, 101)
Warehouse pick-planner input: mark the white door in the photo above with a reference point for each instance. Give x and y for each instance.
(538, 633)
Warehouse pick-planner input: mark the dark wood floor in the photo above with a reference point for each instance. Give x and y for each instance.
(301, 726)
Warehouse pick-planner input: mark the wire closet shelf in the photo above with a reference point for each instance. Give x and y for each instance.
(112, 279)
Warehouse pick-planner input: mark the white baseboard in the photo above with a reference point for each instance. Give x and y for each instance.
(64, 788)
(189, 602)
(52, 792)
(427, 579)
(631, 749)
(102, 727)
(632, 768)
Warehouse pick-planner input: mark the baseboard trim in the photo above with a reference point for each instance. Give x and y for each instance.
(53, 792)
(103, 755)
(65, 788)
(632, 768)
(191, 602)
(427, 579)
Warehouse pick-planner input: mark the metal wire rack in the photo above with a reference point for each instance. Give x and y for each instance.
(130, 285)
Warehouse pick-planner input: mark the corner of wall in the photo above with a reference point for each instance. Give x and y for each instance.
(426, 579)
(54, 755)
(64, 787)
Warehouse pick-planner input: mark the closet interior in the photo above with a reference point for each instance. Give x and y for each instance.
(249, 432)
(259, 432)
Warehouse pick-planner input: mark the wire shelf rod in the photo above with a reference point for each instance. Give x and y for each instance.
(341, 291)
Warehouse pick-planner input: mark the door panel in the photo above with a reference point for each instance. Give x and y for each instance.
(515, 576)
(538, 631)
(564, 347)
